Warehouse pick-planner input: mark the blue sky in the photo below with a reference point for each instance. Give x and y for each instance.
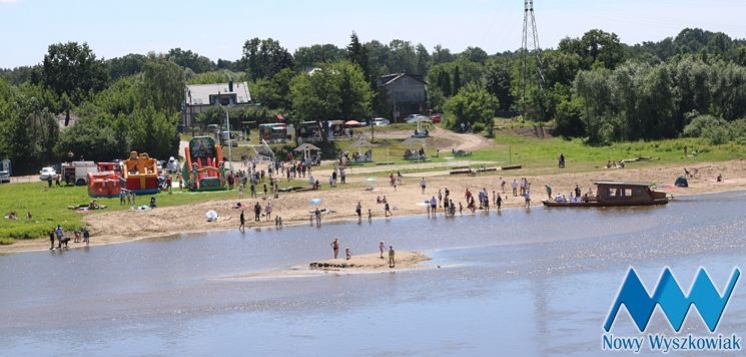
(218, 29)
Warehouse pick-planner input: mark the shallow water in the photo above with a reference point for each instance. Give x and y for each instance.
(516, 283)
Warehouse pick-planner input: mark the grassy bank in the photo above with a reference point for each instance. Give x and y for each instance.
(537, 155)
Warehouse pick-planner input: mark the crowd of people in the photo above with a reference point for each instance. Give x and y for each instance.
(62, 238)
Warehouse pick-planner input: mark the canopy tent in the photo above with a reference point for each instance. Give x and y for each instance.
(306, 149)
(352, 123)
(361, 143)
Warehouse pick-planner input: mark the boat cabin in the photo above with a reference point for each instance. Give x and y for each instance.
(620, 192)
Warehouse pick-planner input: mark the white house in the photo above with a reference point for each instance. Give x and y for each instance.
(200, 98)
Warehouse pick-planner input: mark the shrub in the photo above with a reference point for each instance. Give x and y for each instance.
(478, 127)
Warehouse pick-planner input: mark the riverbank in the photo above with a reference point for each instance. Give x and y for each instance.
(404, 200)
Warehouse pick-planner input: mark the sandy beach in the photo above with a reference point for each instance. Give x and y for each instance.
(339, 203)
(370, 263)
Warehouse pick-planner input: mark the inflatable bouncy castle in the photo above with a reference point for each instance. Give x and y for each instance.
(203, 166)
(140, 174)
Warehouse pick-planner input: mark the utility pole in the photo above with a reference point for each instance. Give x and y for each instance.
(530, 45)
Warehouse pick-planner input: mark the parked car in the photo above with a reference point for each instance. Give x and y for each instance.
(381, 121)
(47, 173)
(414, 118)
(436, 118)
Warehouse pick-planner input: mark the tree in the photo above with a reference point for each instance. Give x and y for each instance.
(191, 60)
(457, 80)
(595, 48)
(473, 104)
(264, 58)
(441, 55)
(338, 90)
(403, 58)
(125, 66)
(475, 54)
(423, 60)
(163, 84)
(308, 57)
(497, 79)
(594, 91)
(274, 93)
(28, 130)
(357, 54)
(73, 69)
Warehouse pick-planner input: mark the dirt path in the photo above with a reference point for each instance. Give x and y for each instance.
(465, 142)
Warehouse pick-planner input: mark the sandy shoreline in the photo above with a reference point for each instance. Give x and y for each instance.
(406, 200)
(358, 264)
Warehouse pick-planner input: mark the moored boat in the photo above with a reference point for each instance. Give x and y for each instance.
(615, 193)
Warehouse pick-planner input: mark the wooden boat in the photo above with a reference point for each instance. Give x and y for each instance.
(617, 193)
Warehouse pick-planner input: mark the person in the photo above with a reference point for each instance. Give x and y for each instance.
(527, 197)
(317, 213)
(423, 184)
(577, 190)
(242, 219)
(77, 238)
(460, 208)
(720, 178)
(562, 161)
(152, 202)
(348, 253)
(392, 255)
(257, 212)
(433, 205)
(386, 210)
(278, 222)
(122, 196)
(370, 215)
(86, 236)
(359, 211)
(514, 185)
(499, 202)
(335, 247)
(381, 248)
(268, 211)
(58, 232)
(685, 151)
(549, 192)
(51, 239)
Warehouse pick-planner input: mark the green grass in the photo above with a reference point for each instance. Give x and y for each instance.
(538, 156)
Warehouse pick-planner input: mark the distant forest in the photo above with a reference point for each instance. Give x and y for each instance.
(593, 87)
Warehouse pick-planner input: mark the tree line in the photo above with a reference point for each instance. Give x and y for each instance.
(593, 87)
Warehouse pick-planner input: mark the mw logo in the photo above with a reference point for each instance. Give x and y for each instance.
(673, 302)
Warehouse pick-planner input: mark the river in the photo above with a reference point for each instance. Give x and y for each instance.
(529, 283)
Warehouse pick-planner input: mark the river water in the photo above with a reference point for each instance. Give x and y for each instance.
(529, 283)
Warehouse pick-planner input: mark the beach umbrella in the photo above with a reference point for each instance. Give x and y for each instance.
(352, 123)
(315, 201)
